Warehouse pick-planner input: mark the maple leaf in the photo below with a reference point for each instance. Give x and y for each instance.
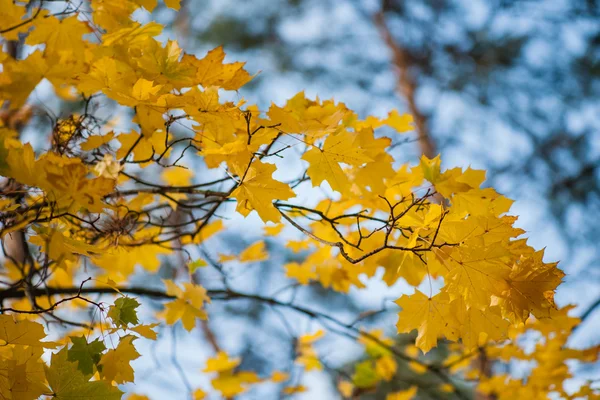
(211, 71)
(254, 253)
(531, 286)
(221, 363)
(22, 374)
(477, 274)
(145, 331)
(476, 326)
(87, 355)
(401, 123)
(115, 363)
(163, 66)
(233, 384)
(59, 35)
(431, 317)
(69, 383)
(11, 15)
(312, 118)
(26, 333)
(258, 190)
(324, 163)
(386, 367)
(188, 306)
(303, 273)
(123, 312)
(22, 77)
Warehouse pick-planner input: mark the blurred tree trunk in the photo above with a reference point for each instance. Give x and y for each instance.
(406, 84)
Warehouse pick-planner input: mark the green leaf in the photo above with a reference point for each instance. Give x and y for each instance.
(87, 355)
(123, 312)
(199, 263)
(68, 383)
(365, 375)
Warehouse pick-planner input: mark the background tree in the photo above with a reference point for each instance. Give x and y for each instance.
(113, 212)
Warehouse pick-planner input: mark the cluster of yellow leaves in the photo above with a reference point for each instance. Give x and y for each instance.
(228, 381)
(26, 377)
(415, 224)
(64, 180)
(549, 363)
(491, 279)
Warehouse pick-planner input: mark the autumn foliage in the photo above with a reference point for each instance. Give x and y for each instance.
(96, 199)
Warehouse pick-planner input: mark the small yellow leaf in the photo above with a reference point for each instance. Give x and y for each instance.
(403, 394)
(146, 331)
(254, 253)
(221, 363)
(115, 363)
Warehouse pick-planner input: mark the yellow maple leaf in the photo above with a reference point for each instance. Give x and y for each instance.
(22, 373)
(26, 333)
(254, 253)
(531, 286)
(211, 71)
(221, 363)
(20, 77)
(303, 273)
(477, 327)
(258, 190)
(11, 15)
(146, 331)
(324, 163)
(188, 305)
(115, 363)
(93, 142)
(59, 35)
(233, 384)
(431, 317)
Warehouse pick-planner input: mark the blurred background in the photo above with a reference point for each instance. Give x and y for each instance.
(507, 86)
